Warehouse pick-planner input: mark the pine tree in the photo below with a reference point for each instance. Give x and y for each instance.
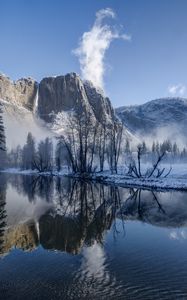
(175, 149)
(2, 140)
(144, 147)
(153, 147)
(127, 146)
(29, 152)
(157, 147)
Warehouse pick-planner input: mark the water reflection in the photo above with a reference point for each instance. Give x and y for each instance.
(167, 209)
(65, 215)
(2, 211)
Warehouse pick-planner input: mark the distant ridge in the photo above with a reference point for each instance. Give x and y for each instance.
(151, 117)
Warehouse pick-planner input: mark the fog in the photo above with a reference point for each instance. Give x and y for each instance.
(18, 122)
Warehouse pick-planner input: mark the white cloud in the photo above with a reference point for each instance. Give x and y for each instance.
(178, 89)
(93, 45)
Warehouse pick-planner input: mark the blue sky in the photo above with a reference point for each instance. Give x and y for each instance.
(37, 38)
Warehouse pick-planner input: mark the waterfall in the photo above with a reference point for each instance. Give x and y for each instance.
(35, 110)
(38, 230)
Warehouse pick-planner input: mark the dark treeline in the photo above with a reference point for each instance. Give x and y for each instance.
(173, 153)
(32, 156)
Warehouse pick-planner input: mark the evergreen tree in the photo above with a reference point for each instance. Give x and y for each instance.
(59, 153)
(127, 146)
(29, 152)
(175, 149)
(153, 147)
(144, 148)
(157, 148)
(2, 140)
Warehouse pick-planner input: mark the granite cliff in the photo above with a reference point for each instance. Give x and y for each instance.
(57, 94)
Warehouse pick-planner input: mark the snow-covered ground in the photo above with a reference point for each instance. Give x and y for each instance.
(176, 180)
(18, 171)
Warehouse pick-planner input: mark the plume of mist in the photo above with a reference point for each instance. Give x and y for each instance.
(93, 45)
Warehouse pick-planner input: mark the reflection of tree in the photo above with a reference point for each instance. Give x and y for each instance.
(43, 187)
(135, 205)
(80, 212)
(32, 186)
(87, 211)
(2, 210)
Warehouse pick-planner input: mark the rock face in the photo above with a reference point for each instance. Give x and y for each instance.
(69, 93)
(48, 105)
(61, 93)
(54, 95)
(100, 104)
(21, 92)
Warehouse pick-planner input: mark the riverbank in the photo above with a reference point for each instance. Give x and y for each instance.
(177, 180)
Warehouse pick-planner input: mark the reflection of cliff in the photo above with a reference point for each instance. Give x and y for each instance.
(22, 236)
(59, 233)
(56, 233)
(79, 213)
(70, 234)
(83, 219)
(86, 211)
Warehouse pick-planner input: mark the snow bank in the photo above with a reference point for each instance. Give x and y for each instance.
(177, 180)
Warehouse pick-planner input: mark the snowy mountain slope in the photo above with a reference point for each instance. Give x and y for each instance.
(166, 117)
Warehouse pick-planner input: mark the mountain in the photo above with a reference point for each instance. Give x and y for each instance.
(43, 107)
(160, 118)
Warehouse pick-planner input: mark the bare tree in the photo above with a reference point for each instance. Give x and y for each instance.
(114, 146)
(134, 170)
(79, 140)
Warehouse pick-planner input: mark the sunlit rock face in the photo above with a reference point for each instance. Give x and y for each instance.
(21, 92)
(57, 94)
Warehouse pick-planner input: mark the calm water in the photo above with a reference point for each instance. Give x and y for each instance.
(64, 239)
